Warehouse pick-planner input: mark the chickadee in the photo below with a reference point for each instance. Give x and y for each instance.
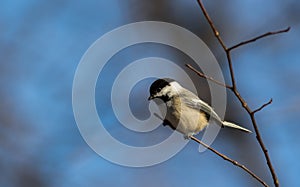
(186, 113)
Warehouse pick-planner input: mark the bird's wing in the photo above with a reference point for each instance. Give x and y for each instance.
(193, 101)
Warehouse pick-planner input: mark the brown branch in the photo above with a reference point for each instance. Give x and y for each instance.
(234, 88)
(259, 37)
(263, 106)
(230, 160)
(158, 116)
(207, 77)
(211, 23)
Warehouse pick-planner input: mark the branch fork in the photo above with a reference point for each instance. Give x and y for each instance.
(234, 89)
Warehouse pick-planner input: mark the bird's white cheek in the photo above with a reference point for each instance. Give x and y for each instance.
(169, 104)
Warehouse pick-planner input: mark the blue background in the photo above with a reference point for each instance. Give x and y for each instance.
(42, 42)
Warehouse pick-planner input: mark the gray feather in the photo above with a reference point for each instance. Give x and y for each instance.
(193, 101)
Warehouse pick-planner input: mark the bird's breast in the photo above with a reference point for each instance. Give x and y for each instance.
(185, 119)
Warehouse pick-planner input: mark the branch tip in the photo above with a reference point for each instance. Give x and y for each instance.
(263, 106)
(259, 37)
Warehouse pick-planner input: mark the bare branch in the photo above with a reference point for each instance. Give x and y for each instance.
(236, 163)
(233, 88)
(209, 20)
(263, 106)
(158, 116)
(259, 37)
(207, 77)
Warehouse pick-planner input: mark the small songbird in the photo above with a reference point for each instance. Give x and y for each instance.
(186, 113)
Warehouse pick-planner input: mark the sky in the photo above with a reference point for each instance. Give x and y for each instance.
(43, 42)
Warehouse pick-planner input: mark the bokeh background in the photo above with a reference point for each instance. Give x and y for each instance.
(42, 43)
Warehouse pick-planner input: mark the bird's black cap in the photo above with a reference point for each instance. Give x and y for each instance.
(158, 85)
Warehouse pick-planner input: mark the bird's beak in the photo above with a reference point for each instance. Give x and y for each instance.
(150, 97)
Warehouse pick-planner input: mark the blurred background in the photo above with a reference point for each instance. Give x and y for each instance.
(42, 43)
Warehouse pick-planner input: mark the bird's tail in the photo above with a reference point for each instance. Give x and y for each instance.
(232, 125)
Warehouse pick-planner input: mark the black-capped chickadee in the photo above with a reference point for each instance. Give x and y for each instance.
(186, 113)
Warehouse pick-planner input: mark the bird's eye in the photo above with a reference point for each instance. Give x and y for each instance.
(159, 89)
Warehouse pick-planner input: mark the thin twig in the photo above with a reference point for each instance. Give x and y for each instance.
(234, 88)
(206, 77)
(259, 37)
(211, 23)
(158, 116)
(236, 163)
(263, 106)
